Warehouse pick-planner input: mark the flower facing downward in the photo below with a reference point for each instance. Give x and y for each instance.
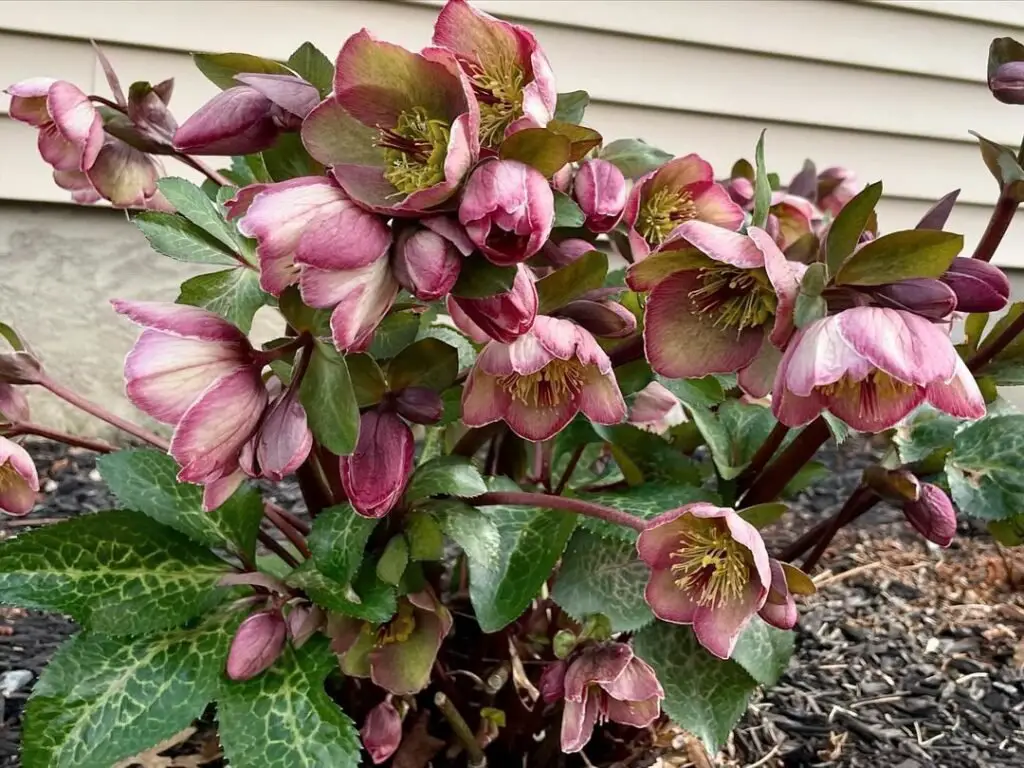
(932, 515)
(376, 473)
(382, 731)
(503, 317)
(283, 440)
(70, 128)
(428, 258)
(539, 382)
(600, 190)
(871, 366)
(655, 409)
(19, 482)
(709, 568)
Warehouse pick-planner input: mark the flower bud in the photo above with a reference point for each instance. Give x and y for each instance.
(237, 121)
(932, 515)
(504, 316)
(600, 190)
(741, 190)
(282, 442)
(20, 368)
(552, 682)
(303, 620)
(1007, 83)
(923, 296)
(427, 260)
(607, 319)
(898, 485)
(19, 482)
(257, 644)
(566, 252)
(382, 731)
(419, 405)
(655, 409)
(978, 285)
(375, 474)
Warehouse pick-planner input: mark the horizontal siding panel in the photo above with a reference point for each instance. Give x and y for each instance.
(999, 11)
(22, 57)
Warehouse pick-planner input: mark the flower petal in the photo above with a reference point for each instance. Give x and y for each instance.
(601, 399)
(536, 423)
(668, 601)
(959, 396)
(869, 408)
(718, 627)
(902, 344)
(638, 714)
(124, 175)
(747, 535)
(596, 664)
(578, 720)
(403, 667)
(661, 538)
(216, 492)
(757, 378)
(785, 277)
(638, 682)
(818, 355)
(77, 120)
(721, 244)
(28, 100)
(483, 400)
(180, 320)
(715, 206)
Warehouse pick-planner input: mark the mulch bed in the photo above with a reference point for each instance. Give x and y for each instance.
(909, 656)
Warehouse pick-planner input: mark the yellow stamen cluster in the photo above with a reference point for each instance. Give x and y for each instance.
(556, 383)
(711, 565)
(499, 89)
(662, 212)
(877, 387)
(399, 629)
(414, 151)
(735, 298)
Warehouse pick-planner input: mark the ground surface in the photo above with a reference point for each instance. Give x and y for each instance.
(907, 657)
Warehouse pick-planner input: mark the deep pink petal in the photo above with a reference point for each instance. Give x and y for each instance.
(237, 121)
(716, 207)
(284, 439)
(662, 537)
(180, 320)
(483, 400)
(638, 682)
(599, 664)
(718, 627)
(536, 423)
(578, 720)
(780, 615)
(757, 378)
(601, 399)
(785, 277)
(747, 535)
(218, 491)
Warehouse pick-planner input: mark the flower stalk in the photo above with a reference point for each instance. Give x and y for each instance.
(587, 508)
(38, 430)
(771, 482)
(1002, 215)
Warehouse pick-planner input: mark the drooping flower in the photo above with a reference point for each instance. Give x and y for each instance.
(19, 482)
(836, 187)
(508, 210)
(655, 409)
(121, 174)
(779, 608)
(726, 304)
(682, 190)
(375, 474)
(871, 366)
(399, 654)
(709, 568)
(381, 733)
(257, 644)
(400, 130)
(428, 258)
(282, 441)
(509, 73)
(932, 515)
(503, 317)
(600, 190)
(70, 127)
(193, 369)
(978, 285)
(539, 382)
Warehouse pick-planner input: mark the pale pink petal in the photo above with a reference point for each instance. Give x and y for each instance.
(780, 615)
(662, 537)
(55, 149)
(668, 601)
(180, 320)
(683, 172)
(747, 535)
(721, 244)
(578, 720)
(716, 207)
(556, 335)
(638, 714)
(959, 396)
(818, 355)
(536, 423)
(216, 492)
(637, 682)
(868, 410)
(359, 311)
(78, 184)
(902, 344)
(757, 378)
(589, 352)
(483, 400)
(525, 355)
(19, 481)
(28, 100)
(77, 120)
(785, 277)
(718, 627)
(601, 399)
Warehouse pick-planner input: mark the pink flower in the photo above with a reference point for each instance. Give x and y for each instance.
(257, 645)
(682, 190)
(723, 309)
(932, 515)
(871, 366)
(655, 409)
(19, 482)
(607, 682)
(70, 128)
(794, 217)
(978, 285)
(836, 187)
(121, 174)
(709, 568)
(382, 731)
(400, 131)
(375, 475)
(508, 210)
(539, 382)
(503, 317)
(282, 441)
(195, 370)
(600, 190)
(428, 258)
(509, 73)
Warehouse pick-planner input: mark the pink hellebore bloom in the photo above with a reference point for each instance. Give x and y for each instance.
(727, 306)
(682, 190)
(400, 131)
(607, 682)
(932, 515)
(382, 731)
(836, 187)
(282, 442)
(257, 645)
(600, 190)
(503, 317)
(19, 482)
(509, 73)
(375, 474)
(794, 216)
(655, 409)
(709, 568)
(121, 174)
(193, 369)
(428, 258)
(70, 128)
(508, 210)
(539, 382)
(871, 366)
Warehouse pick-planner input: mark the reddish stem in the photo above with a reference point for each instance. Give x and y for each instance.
(1002, 215)
(296, 538)
(771, 482)
(28, 428)
(272, 544)
(297, 523)
(588, 508)
(574, 460)
(763, 455)
(860, 501)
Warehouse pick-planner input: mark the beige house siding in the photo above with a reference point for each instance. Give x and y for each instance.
(887, 87)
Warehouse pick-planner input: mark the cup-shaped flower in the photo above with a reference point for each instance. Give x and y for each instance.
(871, 366)
(428, 258)
(509, 73)
(257, 644)
(978, 285)
(19, 482)
(709, 568)
(13, 404)
(600, 190)
(733, 299)
(836, 187)
(121, 174)
(655, 409)
(399, 654)
(381, 733)
(932, 515)
(607, 682)
(503, 317)
(682, 190)
(539, 382)
(282, 441)
(70, 127)
(508, 210)
(195, 370)
(400, 130)
(1007, 82)
(375, 474)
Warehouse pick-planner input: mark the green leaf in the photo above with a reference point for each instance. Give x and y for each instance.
(471, 529)
(234, 294)
(393, 560)
(285, 719)
(807, 475)
(531, 541)
(703, 393)
(221, 68)
(194, 205)
(288, 159)
(177, 237)
(762, 187)
(567, 212)
(703, 695)
(330, 403)
(581, 139)
(453, 338)
(645, 501)
(733, 433)
(984, 468)
(1003, 164)
(845, 231)
(808, 309)
(563, 285)
(545, 150)
(103, 699)
(634, 157)
(368, 380)
(633, 376)
(367, 598)
(643, 456)
(445, 476)
(926, 432)
(145, 480)
(427, 363)
(763, 515)
(395, 332)
(974, 327)
(314, 67)
(600, 575)
(116, 572)
(570, 106)
(764, 651)
(338, 540)
(901, 256)
(478, 278)
(1008, 532)
(425, 536)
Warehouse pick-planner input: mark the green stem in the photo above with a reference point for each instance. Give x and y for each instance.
(990, 349)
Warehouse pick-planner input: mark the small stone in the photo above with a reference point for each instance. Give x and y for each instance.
(49, 485)
(13, 681)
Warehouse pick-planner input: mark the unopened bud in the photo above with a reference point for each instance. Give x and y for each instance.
(552, 681)
(303, 621)
(504, 316)
(608, 319)
(932, 515)
(419, 405)
(978, 285)
(426, 263)
(600, 190)
(257, 644)
(924, 296)
(382, 731)
(1007, 84)
(20, 368)
(375, 474)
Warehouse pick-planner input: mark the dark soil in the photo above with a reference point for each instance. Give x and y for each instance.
(908, 656)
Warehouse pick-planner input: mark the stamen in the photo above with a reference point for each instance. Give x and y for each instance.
(712, 566)
(665, 210)
(874, 390)
(735, 298)
(8, 476)
(414, 150)
(499, 91)
(556, 383)
(399, 629)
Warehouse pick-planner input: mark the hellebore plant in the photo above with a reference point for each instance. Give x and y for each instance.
(544, 401)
